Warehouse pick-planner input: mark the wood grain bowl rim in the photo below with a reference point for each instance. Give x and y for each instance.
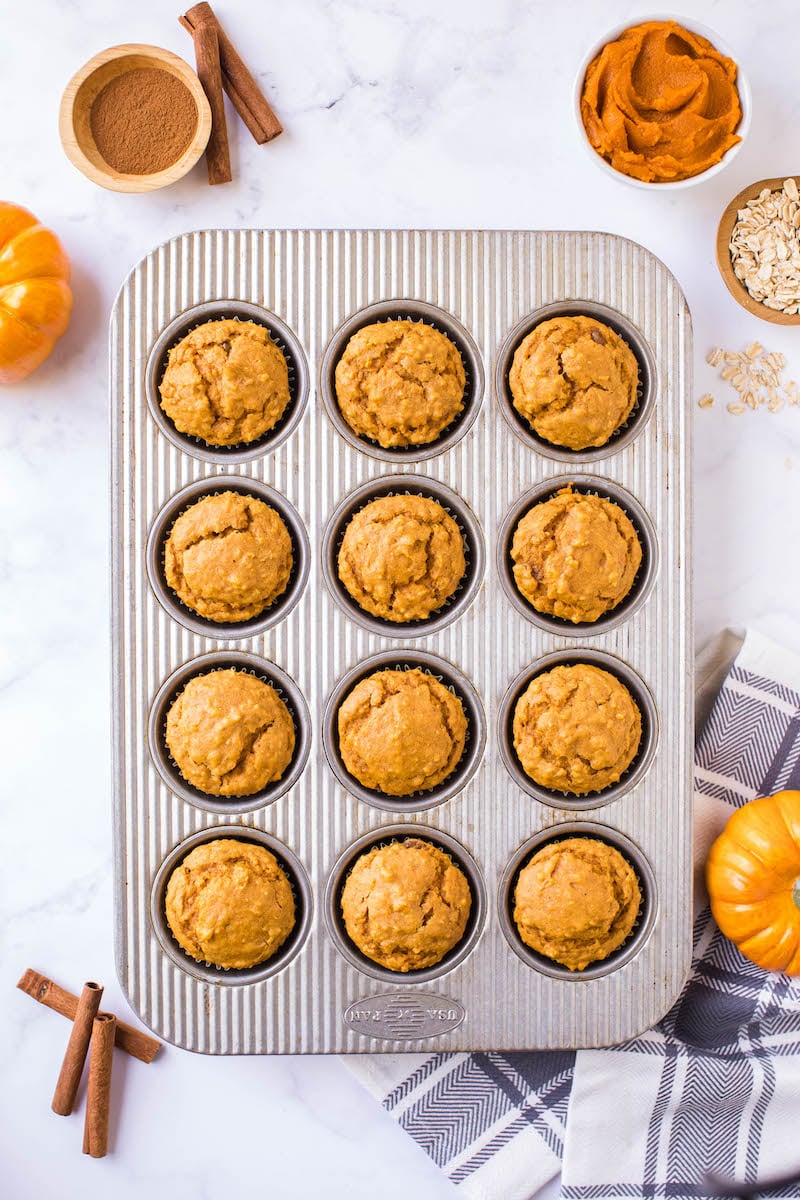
(75, 140)
(724, 231)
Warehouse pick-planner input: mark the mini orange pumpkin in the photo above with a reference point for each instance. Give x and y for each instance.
(35, 299)
(753, 879)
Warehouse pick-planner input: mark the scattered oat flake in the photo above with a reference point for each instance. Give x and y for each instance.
(755, 375)
(736, 409)
(706, 401)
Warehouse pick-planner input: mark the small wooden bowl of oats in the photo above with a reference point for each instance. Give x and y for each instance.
(758, 249)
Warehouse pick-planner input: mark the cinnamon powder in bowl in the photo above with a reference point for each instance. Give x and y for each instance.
(134, 118)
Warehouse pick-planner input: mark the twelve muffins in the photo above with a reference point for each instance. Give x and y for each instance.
(401, 731)
(575, 555)
(228, 557)
(401, 557)
(230, 903)
(406, 904)
(576, 901)
(400, 383)
(574, 380)
(576, 729)
(226, 383)
(230, 734)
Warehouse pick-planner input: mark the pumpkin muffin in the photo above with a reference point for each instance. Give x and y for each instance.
(230, 734)
(576, 901)
(406, 904)
(230, 903)
(226, 383)
(401, 557)
(575, 555)
(574, 380)
(228, 557)
(576, 729)
(401, 731)
(400, 383)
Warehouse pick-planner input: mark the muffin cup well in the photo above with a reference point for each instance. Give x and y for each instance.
(641, 762)
(645, 576)
(288, 691)
(382, 837)
(233, 976)
(400, 310)
(415, 485)
(645, 395)
(178, 504)
(470, 760)
(284, 338)
(642, 926)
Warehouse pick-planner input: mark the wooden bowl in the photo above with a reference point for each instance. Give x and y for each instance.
(74, 125)
(734, 285)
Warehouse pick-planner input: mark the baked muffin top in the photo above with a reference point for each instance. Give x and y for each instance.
(576, 729)
(406, 904)
(575, 555)
(400, 383)
(574, 380)
(576, 901)
(401, 557)
(229, 903)
(228, 557)
(229, 733)
(226, 383)
(401, 731)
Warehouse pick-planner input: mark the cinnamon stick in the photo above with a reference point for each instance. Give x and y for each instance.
(133, 1041)
(72, 1067)
(245, 94)
(98, 1093)
(209, 72)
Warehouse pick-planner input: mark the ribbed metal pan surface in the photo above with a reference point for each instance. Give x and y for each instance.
(319, 996)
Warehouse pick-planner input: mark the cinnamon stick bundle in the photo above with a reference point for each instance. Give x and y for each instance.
(245, 94)
(98, 1094)
(75, 1056)
(133, 1041)
(209, 72)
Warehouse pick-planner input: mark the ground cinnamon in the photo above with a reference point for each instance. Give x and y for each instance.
(143, 120)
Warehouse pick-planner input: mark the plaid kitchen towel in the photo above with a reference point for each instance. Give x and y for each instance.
(714, 1086)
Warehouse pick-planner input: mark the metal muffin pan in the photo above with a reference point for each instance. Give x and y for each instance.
(160, 530)
(490, 992)
(382, 837)
(405, 310)
(645, 396)
(451, 678)
(644, 756)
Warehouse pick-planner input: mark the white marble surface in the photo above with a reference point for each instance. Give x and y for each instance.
(412, 113)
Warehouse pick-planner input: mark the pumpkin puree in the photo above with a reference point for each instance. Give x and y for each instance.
(660, 103)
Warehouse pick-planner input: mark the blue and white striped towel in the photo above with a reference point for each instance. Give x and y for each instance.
(714, 1086)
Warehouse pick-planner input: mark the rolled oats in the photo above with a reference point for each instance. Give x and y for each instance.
(765, 248)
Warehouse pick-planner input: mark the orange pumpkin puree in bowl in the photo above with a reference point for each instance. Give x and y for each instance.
(660, 103)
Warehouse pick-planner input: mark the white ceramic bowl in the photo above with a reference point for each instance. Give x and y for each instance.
(741, 82)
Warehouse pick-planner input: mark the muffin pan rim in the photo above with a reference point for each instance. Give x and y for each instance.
(232, 976)
(202, 314)
(468, 765)
(642, 927)
(404, 484)
(639, 768)
(206, 664)
(633, 425)
(379, 312)
(644, 580)
(176, 505)
(383, 835)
